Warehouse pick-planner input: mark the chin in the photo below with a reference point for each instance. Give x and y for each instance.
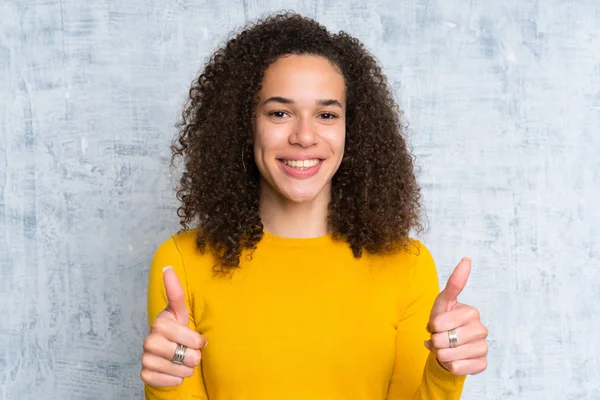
(300, 196)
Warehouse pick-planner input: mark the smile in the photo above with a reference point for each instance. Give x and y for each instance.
(300, 164)
(301, 169)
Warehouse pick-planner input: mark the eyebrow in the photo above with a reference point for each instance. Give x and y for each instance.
(285, 100)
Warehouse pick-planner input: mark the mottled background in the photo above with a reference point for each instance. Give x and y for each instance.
(503, 101)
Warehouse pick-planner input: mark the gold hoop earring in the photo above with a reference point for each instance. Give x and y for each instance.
(243, 164)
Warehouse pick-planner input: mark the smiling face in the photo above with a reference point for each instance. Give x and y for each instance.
(300, 128)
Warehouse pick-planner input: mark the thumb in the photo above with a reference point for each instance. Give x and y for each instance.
(175, 296)
(448, 297)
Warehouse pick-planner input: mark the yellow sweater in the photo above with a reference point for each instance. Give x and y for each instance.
(304, 319)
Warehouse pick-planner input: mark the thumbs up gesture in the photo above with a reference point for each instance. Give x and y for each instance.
(458, 338)
(172, 349)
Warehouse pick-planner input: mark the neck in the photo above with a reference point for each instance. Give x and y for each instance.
(286, 218)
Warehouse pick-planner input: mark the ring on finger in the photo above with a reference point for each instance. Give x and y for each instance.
(452, 338)
(179, 355)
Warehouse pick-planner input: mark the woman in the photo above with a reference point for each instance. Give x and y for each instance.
(300, 272)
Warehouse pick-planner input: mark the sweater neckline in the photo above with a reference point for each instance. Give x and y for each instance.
(318, 241)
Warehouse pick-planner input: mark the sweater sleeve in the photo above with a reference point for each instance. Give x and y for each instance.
(417, 373)
(169, 254)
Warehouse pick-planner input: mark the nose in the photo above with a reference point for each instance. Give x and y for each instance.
(304, 132)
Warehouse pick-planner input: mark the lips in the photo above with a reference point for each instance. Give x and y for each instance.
(302, 163)
(301, 169)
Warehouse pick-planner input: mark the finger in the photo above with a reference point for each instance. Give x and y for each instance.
(158, 364)
(468, 367)
(467, 351)
(461, 315)
(158, 345)
(448, 297)
(458, 280)
(154, 378)
(175, 296)
(469, 333)
(168, 328)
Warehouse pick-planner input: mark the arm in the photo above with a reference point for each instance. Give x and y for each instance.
(168, 254)
(417, 373)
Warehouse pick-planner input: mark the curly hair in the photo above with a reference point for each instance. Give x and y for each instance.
(375, 199)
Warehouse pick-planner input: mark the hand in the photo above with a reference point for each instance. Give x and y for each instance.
(168, 329)
(469, 357)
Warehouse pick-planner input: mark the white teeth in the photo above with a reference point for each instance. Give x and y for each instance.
(301, 163)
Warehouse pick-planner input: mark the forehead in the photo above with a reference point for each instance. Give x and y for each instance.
(303, 76)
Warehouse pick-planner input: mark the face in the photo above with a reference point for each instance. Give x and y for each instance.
(300, 128)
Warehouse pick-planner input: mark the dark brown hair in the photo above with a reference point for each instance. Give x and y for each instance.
(375, 199)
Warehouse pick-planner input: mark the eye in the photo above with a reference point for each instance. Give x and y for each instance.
(277, 114)
(327, 115)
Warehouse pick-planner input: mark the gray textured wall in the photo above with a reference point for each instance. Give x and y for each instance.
(503, 102)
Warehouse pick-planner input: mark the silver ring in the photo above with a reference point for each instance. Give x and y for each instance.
(452, 338)
(179, 354)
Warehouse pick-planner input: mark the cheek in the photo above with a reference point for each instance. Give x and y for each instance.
(269, 137)
(337, 141)
(342, 142)
(258, 138)
(262, 143)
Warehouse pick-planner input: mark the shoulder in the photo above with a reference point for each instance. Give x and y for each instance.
(410, 255)
(181, 243)
(423, 271)
(421, 252)
(419, 255)
(185, 241)
(181, 249)
(412, 264)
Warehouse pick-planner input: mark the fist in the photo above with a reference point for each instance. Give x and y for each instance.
(168, 330)
(458, 338)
